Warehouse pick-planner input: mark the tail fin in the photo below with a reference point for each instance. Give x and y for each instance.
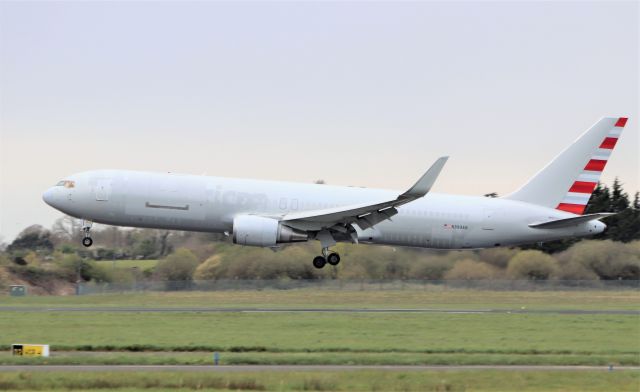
(568, 181)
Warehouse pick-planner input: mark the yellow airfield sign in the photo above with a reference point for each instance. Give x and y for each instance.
(30, 350)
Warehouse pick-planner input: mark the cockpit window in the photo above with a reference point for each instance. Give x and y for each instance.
(66, 183)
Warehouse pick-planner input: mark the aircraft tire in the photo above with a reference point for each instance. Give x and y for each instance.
(333, 258)
(87, 241)
(319, 262)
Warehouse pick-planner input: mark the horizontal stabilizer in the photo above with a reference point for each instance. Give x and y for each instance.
(566, 222)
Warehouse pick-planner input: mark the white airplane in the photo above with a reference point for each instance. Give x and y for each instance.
(268, 213)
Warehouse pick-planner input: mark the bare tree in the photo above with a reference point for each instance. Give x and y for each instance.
(112, 237)
(164, 237)
(67, 228)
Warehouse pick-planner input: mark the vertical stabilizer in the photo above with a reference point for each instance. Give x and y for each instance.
(568, 181)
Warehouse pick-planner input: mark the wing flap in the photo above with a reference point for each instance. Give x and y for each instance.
(373, 218)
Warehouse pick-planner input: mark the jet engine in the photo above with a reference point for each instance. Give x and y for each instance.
(260, 231)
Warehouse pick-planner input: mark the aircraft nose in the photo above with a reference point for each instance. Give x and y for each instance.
(49, 197)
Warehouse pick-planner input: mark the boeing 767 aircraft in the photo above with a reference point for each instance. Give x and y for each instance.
(267, 213)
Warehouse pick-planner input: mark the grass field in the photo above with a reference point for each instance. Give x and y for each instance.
(322, 332)
(128, 264)
(313, 338)
(329, 381)
(332, 338)
(430, 297)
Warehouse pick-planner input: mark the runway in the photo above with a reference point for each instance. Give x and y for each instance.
(297, 368)
(109, 309)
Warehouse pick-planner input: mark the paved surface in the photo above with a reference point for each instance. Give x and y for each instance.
(107, 309)
(289, 368)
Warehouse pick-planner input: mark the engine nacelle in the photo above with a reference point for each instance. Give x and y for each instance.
(260, 231)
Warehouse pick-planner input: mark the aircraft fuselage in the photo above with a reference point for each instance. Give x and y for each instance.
(210, 204)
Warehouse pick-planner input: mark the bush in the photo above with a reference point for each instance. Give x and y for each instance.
(575, 271)
(34, 238)
(237, 262)
(208, 269)
(471, 270)
(4, 260)
(498, 257)
(533, 265)
(145, 248)
(105, 254)
(432, 268)
(178, 266)
(606, 259)
(380, 262)
(71, 265)
(4, 279)
(67, 248)
(291, 262)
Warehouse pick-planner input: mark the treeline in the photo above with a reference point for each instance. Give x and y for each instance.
(587, 260)
(39, 256)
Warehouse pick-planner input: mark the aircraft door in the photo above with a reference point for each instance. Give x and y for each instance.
(103, 189)
(488, 221)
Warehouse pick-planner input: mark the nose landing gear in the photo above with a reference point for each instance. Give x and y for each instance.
(86, 228)
(327, 257)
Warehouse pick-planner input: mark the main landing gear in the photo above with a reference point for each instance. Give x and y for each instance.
(327, 257)
(86, 228)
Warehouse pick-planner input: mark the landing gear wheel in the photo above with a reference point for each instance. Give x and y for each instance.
(86, 228)
(319, 262)
(333, 258)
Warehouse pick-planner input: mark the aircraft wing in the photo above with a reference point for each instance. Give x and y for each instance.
(364, 215)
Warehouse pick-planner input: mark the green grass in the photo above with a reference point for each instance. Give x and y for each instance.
(317, 358)
(128, 264)
(330, 338)
(329, 381)
(428, 297)
(424, 338)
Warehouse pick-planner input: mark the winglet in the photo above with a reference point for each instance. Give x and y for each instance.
(424, 184)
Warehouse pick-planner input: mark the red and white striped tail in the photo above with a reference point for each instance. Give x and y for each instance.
(576, 199)
(566, 183)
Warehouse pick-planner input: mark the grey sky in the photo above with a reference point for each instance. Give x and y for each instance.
(355, 93)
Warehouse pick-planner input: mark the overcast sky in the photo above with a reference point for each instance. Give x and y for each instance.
(359, 93)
